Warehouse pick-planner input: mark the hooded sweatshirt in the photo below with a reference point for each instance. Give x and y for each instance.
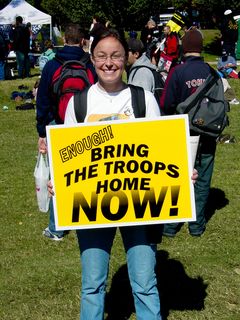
(142, 77)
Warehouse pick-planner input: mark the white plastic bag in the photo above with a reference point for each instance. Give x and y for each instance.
(41, 174)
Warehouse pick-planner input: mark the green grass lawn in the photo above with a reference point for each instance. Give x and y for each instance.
(199, 278)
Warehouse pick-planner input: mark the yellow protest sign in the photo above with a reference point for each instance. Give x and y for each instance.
(121, 173)
(176, 23)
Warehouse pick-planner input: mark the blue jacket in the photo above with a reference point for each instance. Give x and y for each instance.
(44, 103)
(182, 81)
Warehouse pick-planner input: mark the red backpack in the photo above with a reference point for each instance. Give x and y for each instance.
(71, 77)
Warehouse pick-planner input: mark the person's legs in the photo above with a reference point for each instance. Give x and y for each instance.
(95, 247)
(20, 63)
(27, 65)
(51, 225)
(204, 165)
(170, 229)
(141, 260)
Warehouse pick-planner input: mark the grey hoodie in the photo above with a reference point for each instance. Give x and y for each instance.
(142, 77)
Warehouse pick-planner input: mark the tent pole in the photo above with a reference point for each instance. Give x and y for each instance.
(51, 29)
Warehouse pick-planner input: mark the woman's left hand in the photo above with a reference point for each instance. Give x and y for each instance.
(194, 176)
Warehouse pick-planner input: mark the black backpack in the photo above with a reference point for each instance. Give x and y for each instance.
(206, 107)
(158, 80)
(138, 103)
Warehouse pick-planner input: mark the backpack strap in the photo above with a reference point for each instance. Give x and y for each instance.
(60, 60)
(158, 80)
(135, 69)
(202, 90)
(80, 104)
(84, 59)
(138, 101)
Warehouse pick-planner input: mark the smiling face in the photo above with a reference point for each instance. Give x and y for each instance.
(109, 58)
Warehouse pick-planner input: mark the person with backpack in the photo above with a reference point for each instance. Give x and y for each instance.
(142, 72)
(54, 91)
(110, 98)
(182, 81)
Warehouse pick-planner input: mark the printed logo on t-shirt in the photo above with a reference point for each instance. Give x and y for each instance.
(106, 117)
(127, 113)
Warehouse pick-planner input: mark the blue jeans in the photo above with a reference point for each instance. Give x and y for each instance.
(23, 64)
(204, 165)
(2, 71)
(95, 247)
(51, 224)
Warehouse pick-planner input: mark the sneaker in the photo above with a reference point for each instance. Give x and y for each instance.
(47, 233)
(234, 101)
(169, 234)
(196, 233)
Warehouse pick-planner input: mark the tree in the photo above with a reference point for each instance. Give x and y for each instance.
(127, 14)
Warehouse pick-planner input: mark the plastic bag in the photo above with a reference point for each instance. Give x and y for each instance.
(41, 174)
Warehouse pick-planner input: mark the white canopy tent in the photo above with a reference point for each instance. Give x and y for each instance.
(27, 12)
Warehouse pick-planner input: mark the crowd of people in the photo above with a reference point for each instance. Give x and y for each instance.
(179, 64)
(180, 69)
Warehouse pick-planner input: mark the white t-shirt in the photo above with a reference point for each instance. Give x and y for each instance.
(111, 106)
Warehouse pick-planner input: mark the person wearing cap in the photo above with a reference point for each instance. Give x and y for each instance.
(139, 73)
(229, 33)
(181, 82)
(227, 66)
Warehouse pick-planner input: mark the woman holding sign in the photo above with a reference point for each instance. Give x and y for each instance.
(108, 99)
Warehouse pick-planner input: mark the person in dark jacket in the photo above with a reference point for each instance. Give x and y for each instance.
(181, 82)
(98, 27)
(72, 50)
(229, 33)
(21, 45)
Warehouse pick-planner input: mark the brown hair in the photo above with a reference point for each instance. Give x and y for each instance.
(113, 34)
(48, 44)
(73, 34)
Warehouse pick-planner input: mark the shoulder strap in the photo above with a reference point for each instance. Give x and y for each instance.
(61, 61)
(202, 90)
(84, 59)
(135, 69)
(138, 101)
(80, 104)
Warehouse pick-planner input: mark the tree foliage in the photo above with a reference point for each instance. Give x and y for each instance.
(130, 14)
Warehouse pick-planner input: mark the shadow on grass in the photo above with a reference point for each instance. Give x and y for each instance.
(216, 201)
(177, 290)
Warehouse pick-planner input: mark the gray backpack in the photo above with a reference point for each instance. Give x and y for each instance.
(206, 107)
